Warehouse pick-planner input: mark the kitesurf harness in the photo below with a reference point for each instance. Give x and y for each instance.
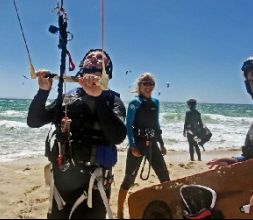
(97, 181)
(149, 136)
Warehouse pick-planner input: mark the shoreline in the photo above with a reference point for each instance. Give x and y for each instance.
(171, 155)
(25, 195)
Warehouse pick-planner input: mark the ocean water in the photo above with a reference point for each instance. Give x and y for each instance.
(228, 123)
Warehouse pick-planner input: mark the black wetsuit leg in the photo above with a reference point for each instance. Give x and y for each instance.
(158, 164)
(191, 146)
(132, 166)
(56, 214)
(197, 151)
(97, 211)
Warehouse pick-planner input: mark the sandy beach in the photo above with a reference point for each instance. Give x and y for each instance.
(25, 195)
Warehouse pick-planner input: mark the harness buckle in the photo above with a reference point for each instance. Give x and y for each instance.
(150, 133)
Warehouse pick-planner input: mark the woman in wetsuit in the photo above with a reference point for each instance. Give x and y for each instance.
(192, 127)
(97, 120)
(143, 131)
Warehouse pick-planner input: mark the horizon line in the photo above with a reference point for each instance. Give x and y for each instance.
(181, 102)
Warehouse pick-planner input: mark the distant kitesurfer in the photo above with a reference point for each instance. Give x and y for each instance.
(143, 131)
(192, 125)
(25, 77)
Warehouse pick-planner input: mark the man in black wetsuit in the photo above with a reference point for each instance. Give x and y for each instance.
(247, 149)
(192, 126)
(95, 118)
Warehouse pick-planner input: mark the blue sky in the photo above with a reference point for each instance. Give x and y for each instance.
(196, 45)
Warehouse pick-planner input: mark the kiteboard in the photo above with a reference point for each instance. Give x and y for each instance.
(232, 184)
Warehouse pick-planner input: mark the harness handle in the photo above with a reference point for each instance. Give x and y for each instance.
(149, 155)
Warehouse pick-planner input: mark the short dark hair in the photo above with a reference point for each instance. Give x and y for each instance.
(191, 102)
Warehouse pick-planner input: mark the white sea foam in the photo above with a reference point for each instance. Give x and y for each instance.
(13, 114)
(12, 124)
(221, 118)
(17, 140)
(227, 132)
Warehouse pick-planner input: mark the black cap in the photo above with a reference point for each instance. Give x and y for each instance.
(108, 68)
(247, 65)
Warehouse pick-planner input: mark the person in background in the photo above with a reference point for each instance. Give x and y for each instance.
(192, 125)
(95, 119)
(143, 132)
(247, 148)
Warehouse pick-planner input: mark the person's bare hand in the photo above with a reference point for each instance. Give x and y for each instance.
(135, 152)
(88, 83)
(44, 83)
(219, 163)
(163, 150)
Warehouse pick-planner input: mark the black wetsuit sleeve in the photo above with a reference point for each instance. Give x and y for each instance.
(160, 139)
(158, 127)
(38, 114)
(200, 121)
(112, 119)
(187, 120)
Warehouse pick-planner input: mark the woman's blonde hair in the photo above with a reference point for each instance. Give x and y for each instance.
(141, 78)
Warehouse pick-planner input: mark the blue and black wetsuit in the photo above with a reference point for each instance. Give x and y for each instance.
(143, 117)
(95, 121)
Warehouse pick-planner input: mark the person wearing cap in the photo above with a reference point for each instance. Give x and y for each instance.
(247, 148)
(96, 119)
(144, 134)
(192, 125)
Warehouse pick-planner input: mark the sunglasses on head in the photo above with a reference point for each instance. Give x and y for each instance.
(148, 83)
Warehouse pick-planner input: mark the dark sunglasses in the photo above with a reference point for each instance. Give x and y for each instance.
(148, 83)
